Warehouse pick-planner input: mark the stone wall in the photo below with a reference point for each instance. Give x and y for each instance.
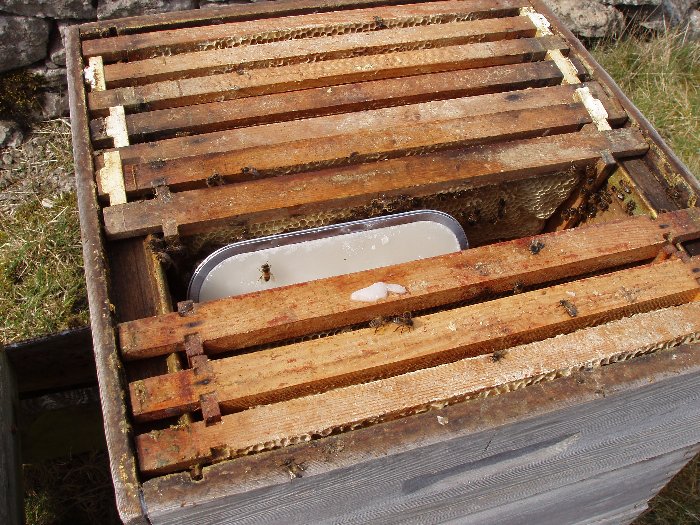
(31, 31)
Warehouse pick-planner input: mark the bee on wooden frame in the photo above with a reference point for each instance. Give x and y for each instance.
(294, 469)
(378, 322)
(266, 272)
(518, 287)
(403, 321)
(498, 355)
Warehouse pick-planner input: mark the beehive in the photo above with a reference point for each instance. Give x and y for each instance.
(195, 130)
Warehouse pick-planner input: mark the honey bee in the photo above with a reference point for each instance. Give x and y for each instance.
(501, 208)
(569, 307)
(265, 272)
(249, 171)
(498, 355)
(294, 469)
(377, 323)
(518, 287)
(380, 22)
(536, 246)
(403, 321)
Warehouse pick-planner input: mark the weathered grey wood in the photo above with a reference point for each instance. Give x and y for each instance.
(495, 460)
(60, 360)
(121, 456)
(11, 507)
(615, 497)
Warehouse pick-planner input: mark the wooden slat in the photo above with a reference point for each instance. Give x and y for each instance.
(307, 50)
(174, 93)
(11, 506)
(269, 199)
(271, 426)
(386, 119)
(310, 367)
(58, 361)
(235, 322)
(315, 153)
(289, 25)
(215, 116)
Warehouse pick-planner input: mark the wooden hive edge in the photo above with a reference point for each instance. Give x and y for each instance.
(331, 463)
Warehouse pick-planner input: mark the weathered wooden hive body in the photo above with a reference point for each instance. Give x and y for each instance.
(506, 401)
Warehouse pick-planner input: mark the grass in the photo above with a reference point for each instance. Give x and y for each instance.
(662, 77)
(679, 502)
(72, 491)
(42, 287)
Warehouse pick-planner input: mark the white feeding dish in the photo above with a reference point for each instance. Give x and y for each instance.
(282, 260)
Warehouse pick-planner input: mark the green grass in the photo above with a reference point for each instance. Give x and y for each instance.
(662, 77)
(679, 502)
(42, 287)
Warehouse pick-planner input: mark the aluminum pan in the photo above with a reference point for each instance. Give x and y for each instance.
(284, 239)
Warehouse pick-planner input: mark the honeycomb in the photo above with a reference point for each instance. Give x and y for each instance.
(488, 213)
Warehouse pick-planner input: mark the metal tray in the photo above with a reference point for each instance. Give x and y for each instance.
(285, 239)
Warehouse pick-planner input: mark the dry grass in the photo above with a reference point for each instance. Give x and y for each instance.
(662, 77)
(42, 288)
(75, 491)
(679, 502)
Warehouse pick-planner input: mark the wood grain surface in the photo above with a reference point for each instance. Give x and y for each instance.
(309, 367)
(289, 25)
(296, 420)
(173, 93)
(306, 50)
(235, 322)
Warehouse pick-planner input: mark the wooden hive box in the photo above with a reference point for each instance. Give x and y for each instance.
(552, 372)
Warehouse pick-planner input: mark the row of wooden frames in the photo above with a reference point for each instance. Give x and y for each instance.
(485, 321)
(259, 119)
(258, 126)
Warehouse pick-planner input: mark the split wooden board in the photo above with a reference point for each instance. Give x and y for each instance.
(344, 187)
(344, 98)
(294, 20)
(333, 94)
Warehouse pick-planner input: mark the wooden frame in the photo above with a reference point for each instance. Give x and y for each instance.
(149, 154)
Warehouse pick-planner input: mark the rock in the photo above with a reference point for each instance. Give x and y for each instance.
(588, 19)
(693, 28)
(57, 48)
(23, 41)
(11, 135)
(120, 8)
(655, 14)
(54, 76)
(62, 9)
(672, 13)
(55, 105)
(632, 2)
